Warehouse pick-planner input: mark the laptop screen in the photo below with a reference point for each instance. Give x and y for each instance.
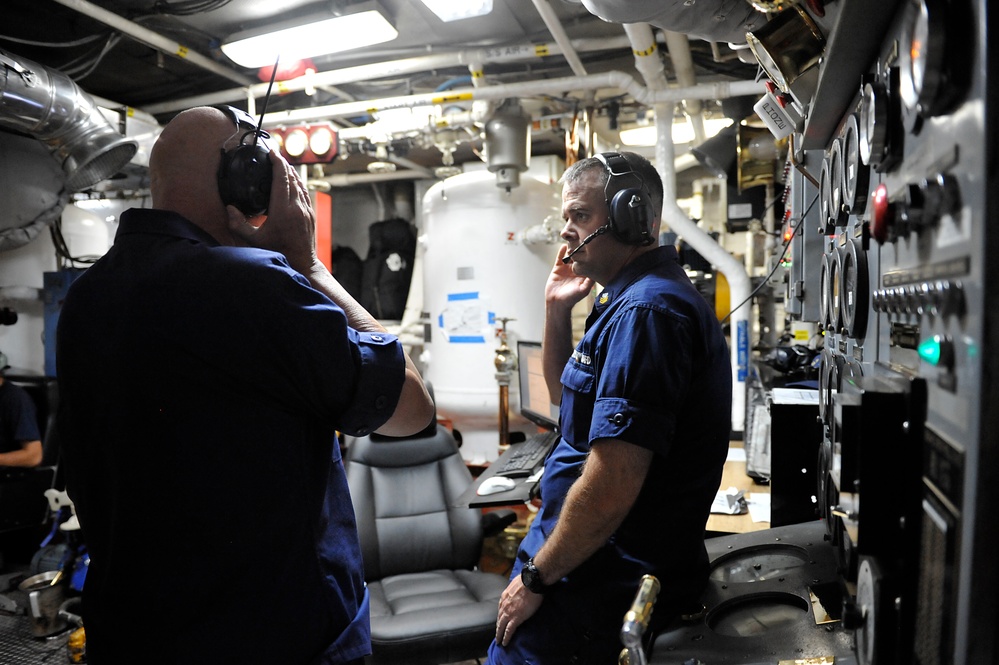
(535, 404)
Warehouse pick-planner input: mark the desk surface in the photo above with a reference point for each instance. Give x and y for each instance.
(734, 475)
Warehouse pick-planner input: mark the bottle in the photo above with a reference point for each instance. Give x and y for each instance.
(77, 646)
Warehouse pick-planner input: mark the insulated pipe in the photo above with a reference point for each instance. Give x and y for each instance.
(683, 64)
(695, 236)
(561, 38)
(646, 52)
(613, 80)
(706, 246)
(154, 40)
(473, 58)
(352, 179)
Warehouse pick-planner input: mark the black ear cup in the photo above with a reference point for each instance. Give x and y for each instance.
(244, 173)
(631, 216)
(245, 178)
(628, 201)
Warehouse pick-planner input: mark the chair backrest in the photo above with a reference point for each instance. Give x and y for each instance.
(403, 490)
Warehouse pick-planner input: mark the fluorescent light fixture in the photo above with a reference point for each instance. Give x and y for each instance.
(455, 10)
(296, 41)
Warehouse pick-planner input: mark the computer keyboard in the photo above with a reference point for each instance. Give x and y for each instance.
(528, 455)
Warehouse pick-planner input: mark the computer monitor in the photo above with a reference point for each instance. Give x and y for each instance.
(535, 404)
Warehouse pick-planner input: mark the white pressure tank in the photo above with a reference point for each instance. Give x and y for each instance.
(483, 263)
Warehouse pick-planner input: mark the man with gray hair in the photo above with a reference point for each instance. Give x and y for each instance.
(644, 399)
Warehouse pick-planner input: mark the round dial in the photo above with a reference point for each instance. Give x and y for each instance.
(856, 175)
(835, 291)
(856, 290)
(867, 603)
(824, 292)
(922, 56)
(825, 198)
(836, 212)
(825, 391)
(873, 124)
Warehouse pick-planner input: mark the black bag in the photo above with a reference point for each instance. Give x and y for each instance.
(388, 270)
(347, 268)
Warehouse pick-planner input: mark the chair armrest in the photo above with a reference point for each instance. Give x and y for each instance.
(494, 521)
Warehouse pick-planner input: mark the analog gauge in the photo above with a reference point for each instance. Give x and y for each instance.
(832, 387)
(874, 125)
(922, 56)
(835, 290)
(825, 200)
(836, 213)
(855, 292)
(824, 292)
(850, 371)
(856, 175)
(825, 391)
(868, 605)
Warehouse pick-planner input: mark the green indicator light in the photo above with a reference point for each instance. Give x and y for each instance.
(929, 350)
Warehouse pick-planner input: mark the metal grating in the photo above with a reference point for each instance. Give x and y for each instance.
(19, 647)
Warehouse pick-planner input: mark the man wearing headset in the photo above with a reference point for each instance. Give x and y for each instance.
(205, 364)
(644, 421)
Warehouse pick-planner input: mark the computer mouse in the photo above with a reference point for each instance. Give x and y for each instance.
(496, 484)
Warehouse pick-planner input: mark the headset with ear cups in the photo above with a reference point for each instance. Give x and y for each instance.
(629, 205)
(244, 173)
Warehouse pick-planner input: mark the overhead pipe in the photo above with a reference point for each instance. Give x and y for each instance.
(48, 105)
(471, 58)
(740, 288)
(155, 40)
(611, 80)
(694, 235)
(554, 26)
(678, 45)
(353, 179)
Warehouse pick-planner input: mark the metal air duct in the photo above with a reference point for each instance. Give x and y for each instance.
(49, 106)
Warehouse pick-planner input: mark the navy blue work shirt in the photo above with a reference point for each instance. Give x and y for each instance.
(201, 390)
(18, 418)
(653, 369)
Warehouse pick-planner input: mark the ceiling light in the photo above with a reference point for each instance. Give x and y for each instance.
(639, 136)
(296, 142)
(454, 10)
(297, 40)
(307, 144)
(321, 140)
(683, 133)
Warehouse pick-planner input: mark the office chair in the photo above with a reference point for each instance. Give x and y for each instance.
(429, 604)
(22, 491)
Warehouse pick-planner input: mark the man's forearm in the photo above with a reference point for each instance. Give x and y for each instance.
(595, 507)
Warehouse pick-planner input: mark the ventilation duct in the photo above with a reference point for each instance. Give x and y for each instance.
(49, 106)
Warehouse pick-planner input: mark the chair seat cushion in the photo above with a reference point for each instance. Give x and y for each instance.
(448, 614)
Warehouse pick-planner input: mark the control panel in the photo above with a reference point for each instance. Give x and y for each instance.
(902, 171)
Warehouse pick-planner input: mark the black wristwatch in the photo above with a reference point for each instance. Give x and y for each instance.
(531, 577)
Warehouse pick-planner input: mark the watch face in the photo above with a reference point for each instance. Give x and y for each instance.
(531, 578)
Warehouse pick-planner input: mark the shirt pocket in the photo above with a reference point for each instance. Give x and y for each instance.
(578, 394)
